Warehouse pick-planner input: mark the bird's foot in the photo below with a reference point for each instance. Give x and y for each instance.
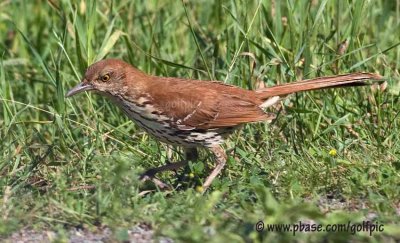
(150, 177)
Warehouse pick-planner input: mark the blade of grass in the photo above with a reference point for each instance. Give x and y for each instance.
(196, 41)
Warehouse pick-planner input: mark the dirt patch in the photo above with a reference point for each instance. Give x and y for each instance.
(141, 234)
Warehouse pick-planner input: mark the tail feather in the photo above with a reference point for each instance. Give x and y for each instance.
(353, 79)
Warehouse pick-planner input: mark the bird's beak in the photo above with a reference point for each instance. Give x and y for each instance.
(83, 86)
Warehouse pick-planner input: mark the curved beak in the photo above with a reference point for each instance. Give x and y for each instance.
(83, 86)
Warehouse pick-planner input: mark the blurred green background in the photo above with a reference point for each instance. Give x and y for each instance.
(330, 157)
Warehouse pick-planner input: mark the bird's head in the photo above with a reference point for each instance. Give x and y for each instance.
(105, 77)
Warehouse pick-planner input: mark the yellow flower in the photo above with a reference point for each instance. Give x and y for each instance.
(332, 152)
(199, 189)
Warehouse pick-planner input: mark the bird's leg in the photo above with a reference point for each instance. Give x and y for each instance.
(220, 157)
(190, 155)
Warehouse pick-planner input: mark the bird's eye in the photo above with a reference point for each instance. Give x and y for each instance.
(105, 77)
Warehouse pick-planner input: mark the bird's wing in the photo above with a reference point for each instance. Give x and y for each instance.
(207, 105)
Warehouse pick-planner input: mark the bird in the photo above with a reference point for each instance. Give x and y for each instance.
(191, 113)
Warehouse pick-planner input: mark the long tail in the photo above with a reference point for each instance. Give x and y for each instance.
(345, 80)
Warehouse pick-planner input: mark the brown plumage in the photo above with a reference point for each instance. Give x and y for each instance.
(193, 113)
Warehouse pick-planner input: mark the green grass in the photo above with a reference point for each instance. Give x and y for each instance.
(51, 147)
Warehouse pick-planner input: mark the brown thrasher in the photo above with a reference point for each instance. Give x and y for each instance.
(193, 113)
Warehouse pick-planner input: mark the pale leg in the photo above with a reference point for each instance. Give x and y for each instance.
(220, 157)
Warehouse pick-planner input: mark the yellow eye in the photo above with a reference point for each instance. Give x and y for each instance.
(105, 77)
